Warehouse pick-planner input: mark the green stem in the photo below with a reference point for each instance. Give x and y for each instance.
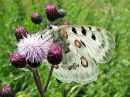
(64, 93)
(49, 77)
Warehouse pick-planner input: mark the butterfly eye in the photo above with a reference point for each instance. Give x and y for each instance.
(50, 27)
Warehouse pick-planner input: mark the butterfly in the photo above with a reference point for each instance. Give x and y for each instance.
(83, 47)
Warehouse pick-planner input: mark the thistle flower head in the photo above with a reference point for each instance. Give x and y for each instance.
(55, 55)
(35, 48)
(7, 91)
(20, 33)
(36, 18)
(17, 60)
(51, 12)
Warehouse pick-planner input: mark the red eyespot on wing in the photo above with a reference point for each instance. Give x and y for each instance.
(77, 43)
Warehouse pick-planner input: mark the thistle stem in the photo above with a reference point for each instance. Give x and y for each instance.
(38, 81)
(49, 77)
(28, 67)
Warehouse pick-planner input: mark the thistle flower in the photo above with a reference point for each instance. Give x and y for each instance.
(55, 55)
(7, 91)
(36, 18)
(35, 48)
(20, 33)
(51, 12)
(17, 60)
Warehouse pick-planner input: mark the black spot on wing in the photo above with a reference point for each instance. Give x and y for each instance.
(93, 37)
(70, 67)
(74, 30)
(90, 28)
(83, 30)
(83, 43)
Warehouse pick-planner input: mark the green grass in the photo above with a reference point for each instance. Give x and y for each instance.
(113, 15)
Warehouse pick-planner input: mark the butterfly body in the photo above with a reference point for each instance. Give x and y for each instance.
(83, 47)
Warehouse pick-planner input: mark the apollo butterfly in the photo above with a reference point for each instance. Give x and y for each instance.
(83, 47)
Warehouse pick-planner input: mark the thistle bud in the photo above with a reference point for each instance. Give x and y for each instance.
(55, 55)
(17, 60)
(20, 33)
(7, 91)
(61, 13)
(51, 12)
(36, 18)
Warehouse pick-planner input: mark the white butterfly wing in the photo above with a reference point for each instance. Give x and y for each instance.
(98, 42)
(71, 69)
(86, 44)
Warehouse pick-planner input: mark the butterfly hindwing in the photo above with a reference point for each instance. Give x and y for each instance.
(76, 68)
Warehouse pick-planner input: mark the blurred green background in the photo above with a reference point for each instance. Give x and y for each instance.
(113, 15)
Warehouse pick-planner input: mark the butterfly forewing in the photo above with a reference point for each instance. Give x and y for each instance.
(98, 42)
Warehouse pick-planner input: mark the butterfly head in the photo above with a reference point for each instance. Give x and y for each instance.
(53, 28)
(57, 34)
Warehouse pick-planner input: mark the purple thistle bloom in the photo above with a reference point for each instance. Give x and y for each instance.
(35, 48)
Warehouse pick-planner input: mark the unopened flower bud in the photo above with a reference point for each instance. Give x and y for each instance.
(7, 91)
(36, 18)
(55, 55)
(61, 13)
(51, 12)
(20, 33)
(17, 60)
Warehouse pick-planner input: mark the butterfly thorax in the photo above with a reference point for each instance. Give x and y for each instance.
(60, 37)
